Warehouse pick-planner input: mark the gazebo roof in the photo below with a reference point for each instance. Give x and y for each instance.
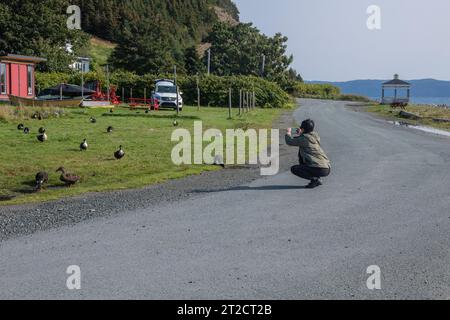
(396, 82)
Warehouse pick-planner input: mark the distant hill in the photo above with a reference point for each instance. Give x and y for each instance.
(425, 88)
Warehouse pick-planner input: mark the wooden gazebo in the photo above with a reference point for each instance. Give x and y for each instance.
(402, 92)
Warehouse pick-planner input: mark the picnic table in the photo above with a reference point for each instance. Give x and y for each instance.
(141, 102)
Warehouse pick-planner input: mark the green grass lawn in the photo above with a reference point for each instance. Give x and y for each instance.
(427, 112)
(145, 139)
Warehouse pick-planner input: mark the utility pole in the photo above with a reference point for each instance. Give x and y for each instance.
(176, 88)
(209, 61)
(82, 84)
(263, 66)
(230, 104)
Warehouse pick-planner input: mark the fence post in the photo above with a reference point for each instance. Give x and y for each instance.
(248, 101)
(198, 93)
(240, 102)
(245, 102)
(254, 100)
(123, 95)
(230, 103)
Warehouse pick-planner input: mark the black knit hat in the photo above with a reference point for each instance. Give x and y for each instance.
(308, 126)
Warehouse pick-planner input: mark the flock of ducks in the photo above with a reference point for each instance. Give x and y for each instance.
(42, 178)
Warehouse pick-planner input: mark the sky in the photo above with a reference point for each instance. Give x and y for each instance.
(330, 39)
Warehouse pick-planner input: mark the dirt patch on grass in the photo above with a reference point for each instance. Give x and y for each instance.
(104, 43)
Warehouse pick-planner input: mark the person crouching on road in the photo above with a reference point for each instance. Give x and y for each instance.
(314, 163)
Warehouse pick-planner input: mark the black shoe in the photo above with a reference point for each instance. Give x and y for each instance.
(314, 184)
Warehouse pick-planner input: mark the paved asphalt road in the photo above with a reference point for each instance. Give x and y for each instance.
(387, 203)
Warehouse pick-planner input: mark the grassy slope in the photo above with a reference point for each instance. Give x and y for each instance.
(101, 50)
(146, 140)
(427, 112)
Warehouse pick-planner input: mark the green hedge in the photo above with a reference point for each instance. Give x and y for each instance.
(47, 80)
(214, 90)
(319, 91)
(324, 91)
(353, 97)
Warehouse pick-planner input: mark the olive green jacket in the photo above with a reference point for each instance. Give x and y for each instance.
(311, 152)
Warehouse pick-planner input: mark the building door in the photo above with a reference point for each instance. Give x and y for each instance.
(15, 79)
(23, 76)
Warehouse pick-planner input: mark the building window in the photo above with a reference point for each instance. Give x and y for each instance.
(30, 80)
(2, 78)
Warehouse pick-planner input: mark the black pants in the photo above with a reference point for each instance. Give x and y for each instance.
(310, 173)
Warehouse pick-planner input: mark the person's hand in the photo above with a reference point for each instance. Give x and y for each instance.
(289, 131)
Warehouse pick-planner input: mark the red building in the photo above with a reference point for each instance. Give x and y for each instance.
(17, 76)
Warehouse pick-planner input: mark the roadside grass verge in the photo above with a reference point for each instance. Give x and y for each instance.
(428, 113)
(146, 140)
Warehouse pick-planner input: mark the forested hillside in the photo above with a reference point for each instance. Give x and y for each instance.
(168, 28)
(145, 36)
(184, 22)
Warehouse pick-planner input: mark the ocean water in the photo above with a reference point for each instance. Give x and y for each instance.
(426, 100)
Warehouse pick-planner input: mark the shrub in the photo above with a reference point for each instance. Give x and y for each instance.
(318, 91)
(352, 97)
(47, 80)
